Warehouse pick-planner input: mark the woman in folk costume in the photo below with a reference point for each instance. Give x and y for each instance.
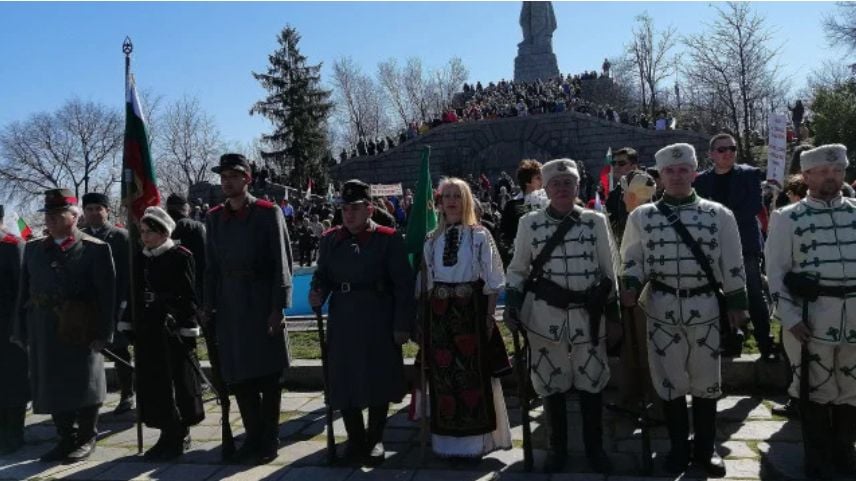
(165, 331)
(463, 348)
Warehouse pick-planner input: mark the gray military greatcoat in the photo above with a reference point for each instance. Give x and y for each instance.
(248, 276)
(65, 376)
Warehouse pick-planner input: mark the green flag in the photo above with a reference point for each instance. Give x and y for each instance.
(139, 184)
(422, 218)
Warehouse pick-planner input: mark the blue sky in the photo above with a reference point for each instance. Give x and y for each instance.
(53, 51)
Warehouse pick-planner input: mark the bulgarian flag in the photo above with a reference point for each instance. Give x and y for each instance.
(422, 218)
(309, 189)
(139, 184)
(17, 226)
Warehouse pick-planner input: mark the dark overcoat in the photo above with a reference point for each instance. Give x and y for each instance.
(365, 365)
(191, 234)
(247, 278)
(65, 376)
(15, 389)
(168, 386)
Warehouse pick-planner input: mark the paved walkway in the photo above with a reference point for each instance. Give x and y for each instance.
(756, 444)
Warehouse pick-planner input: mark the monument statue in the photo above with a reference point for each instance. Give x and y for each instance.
(535, 57)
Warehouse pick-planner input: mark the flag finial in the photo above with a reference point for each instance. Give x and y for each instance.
(127, 46)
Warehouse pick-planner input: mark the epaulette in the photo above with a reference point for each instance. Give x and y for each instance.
(265, 203)
(11, 239)
(216, 208)
(383, 230)
(331, 230)
(184, 250)
(89, 238)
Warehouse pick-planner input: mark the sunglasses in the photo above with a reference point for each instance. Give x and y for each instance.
(730, 148)
(619, 163)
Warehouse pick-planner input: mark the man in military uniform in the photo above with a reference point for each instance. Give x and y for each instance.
(66, 315)
(96, 213)
(681, 305)
(247, 288)
(363, 267)
(13, 360)
(562, 307)
(190, 234)
(815, 238)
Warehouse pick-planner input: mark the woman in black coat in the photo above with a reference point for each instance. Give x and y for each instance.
(169, 393)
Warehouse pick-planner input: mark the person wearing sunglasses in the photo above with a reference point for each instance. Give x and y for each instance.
(738, 187)
(624, 161)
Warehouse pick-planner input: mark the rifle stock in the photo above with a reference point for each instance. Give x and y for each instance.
(522, 369)
(227, 439)
(647, 466)
(331, 438)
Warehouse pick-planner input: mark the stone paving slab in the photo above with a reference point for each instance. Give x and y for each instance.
(756, 445)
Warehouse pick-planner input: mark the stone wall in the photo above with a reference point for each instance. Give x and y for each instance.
(490, 146)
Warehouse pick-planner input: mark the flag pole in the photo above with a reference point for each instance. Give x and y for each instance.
(133, 233)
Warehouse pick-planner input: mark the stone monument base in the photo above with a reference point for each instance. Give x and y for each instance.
(530, 66)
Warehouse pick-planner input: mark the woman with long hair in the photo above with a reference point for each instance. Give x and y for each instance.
(169, 392)
(465, 355)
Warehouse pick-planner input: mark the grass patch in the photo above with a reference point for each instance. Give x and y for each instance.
(304, 344)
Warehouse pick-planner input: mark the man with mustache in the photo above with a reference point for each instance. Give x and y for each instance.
(815, 238)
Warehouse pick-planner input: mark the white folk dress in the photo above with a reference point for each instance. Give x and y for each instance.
(477, 259)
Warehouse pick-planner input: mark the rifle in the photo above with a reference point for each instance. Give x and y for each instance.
(331, 439)
(139, 423)
(423, 343)
(522, 367)
(642, 393)
(210, 333)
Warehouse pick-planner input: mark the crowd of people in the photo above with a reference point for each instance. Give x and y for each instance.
(673, 269)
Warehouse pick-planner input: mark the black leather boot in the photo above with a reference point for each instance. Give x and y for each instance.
(704, 427)
(374, 436)
(64, 423)
(356, 447)
(249, 404)
(269, 434)
(87, 419)
(817, 440)
(557, 418)
(844, 425)
(12, 421)
(678, 425)
(591, 410)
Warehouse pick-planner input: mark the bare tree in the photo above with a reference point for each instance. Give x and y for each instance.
(358, 99)
(74, 147)
(188, 145)
(650, 53)
(447, 81)
(732, 64)
(417, 88)
(840, 27)
(390, 78)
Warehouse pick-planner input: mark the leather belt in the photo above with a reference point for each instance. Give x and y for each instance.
(835, 291)
(682, 293)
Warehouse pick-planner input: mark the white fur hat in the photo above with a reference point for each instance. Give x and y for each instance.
(558, 167)
(825, 154)
(158, 215)
(676, 154)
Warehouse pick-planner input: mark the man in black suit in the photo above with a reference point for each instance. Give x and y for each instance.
(738, 187)
(190, 234)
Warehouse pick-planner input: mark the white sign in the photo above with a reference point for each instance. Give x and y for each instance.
(384, 190)
(777, 148)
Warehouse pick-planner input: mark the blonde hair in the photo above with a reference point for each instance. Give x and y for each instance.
(468, 212)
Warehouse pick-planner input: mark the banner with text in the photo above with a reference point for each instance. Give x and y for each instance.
(777, 148)
(384, 190)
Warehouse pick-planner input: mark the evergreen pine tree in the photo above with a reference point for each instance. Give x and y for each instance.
(298, 108)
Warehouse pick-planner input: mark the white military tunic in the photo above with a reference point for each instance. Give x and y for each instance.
(683, 333)
(562, 354)
(818, 237)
